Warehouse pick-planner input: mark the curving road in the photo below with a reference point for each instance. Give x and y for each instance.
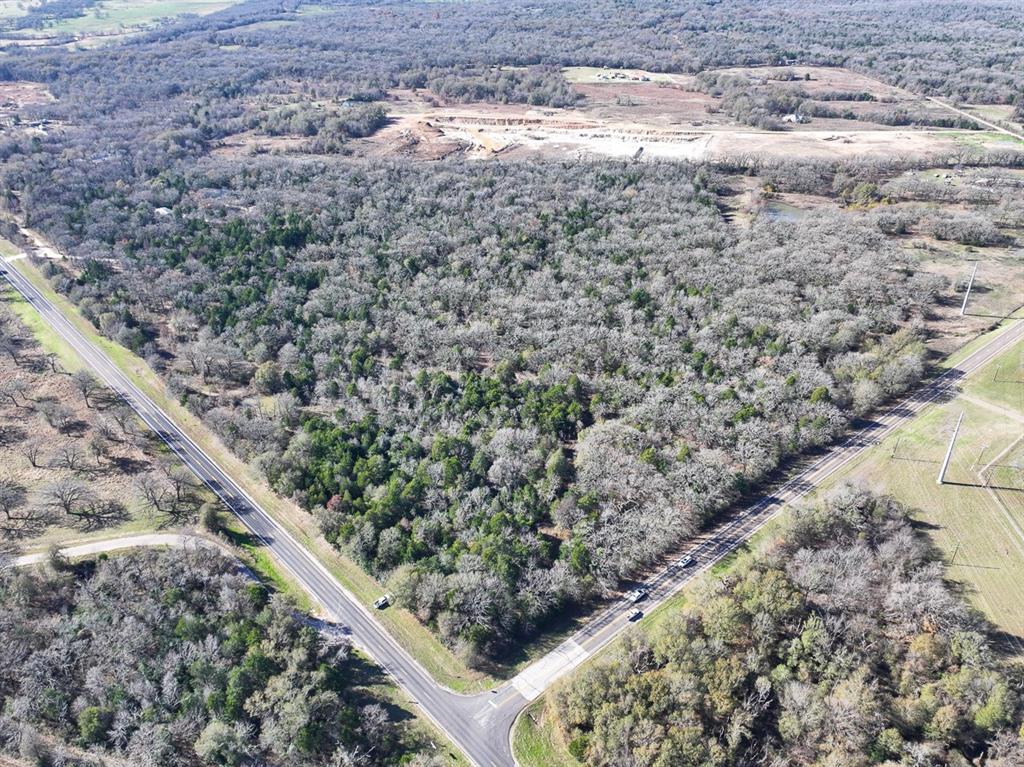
(480, 725)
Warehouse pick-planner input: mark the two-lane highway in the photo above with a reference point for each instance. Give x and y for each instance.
(733, 531)
(453, 713)
(480, 724)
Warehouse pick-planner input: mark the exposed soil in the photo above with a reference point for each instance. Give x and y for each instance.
(629, 113)
(15, 96)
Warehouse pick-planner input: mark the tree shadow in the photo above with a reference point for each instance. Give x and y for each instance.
(920, 524)
(982, 486)
(23, 527)
(11, 435)
(1007, 643)
(126, 465)
(99, 515)
(104, 399)
(74, 428)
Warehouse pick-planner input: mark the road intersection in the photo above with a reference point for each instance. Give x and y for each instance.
(480, 725)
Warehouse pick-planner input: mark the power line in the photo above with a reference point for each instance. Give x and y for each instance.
(949, 451)
(970, 283)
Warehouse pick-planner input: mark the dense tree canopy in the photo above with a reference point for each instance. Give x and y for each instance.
(524, 379)
(838, 643)
(504, 385)
(174, 658)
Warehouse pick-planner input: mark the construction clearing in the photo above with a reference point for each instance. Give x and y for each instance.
(633, 113)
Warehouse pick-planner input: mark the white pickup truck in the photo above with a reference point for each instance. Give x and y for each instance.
(637, 595)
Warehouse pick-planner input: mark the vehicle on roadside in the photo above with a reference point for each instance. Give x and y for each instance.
(688, 561)
(635, 615)
(637, 595)
(385, 601)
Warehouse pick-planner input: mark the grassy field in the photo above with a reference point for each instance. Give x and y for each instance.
(537, 741)
(976, 519)
(108, 17)
(977, 524)
(979, 139)
(994, 113)
(411, 634)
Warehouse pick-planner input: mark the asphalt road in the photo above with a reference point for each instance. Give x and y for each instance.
(453, 713)
(480, 724)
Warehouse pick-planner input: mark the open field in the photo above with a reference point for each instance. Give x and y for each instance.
(577, 75)
(106, 20)
(1001, 114)
(15, 96)
(997, 293)
(817, 81)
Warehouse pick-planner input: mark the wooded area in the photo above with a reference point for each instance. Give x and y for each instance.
(175, 658)
(836, 643)
(526, 379)
(505, 386)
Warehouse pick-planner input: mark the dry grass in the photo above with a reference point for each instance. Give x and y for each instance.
(111, 477)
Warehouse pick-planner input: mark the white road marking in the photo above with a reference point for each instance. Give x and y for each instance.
(436, 702)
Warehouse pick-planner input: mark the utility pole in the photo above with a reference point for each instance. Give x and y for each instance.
(949, 451)
(970, 283)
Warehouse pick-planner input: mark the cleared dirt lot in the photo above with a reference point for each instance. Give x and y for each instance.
(15, 96)
(627, 113)
(482, 131)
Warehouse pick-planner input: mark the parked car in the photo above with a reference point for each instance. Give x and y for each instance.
(635, 615)
(637, 595)
(686, 561)
(383, 601)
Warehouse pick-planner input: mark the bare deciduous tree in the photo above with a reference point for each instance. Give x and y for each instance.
(68, 496)
(59, 416)
(15, 390)
(86, 385)
(33, 450)
(72, 457)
